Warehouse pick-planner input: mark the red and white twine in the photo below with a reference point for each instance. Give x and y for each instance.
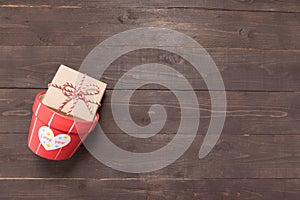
(77, 93)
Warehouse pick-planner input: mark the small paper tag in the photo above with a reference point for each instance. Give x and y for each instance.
(51, 142)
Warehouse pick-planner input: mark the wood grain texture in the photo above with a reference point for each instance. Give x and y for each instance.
(89, 26)
(142, 189)
(256, 46)
(250, 5)
(253, 113)
(258, 156)
(241, 69)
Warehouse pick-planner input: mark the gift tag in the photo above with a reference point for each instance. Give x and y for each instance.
(51, 142)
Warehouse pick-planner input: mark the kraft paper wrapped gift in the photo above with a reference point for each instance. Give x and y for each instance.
(74, 94)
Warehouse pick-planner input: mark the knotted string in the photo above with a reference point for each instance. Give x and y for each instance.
(77, 93)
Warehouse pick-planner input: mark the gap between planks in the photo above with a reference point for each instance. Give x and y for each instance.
(139, 179)
(144, 7)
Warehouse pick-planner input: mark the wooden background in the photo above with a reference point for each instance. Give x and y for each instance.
(255, 44)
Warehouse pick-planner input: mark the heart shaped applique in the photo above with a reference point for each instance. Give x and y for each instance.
(51, 142)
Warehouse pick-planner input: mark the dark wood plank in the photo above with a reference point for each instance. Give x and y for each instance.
(90, 26)
(253, 113)
(269, 189)
(259, 156)
(266, 70)
(72, 189)
(251, 5)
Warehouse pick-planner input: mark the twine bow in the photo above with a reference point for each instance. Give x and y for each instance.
(77, 93)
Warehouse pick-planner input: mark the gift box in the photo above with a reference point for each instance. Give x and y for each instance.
(74, 94)
(56, 131)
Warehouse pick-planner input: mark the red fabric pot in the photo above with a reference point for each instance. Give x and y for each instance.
(54, 136)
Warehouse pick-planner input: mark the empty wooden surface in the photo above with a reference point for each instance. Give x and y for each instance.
(256, 46)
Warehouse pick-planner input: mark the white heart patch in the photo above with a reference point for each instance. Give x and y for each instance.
(50, 142)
